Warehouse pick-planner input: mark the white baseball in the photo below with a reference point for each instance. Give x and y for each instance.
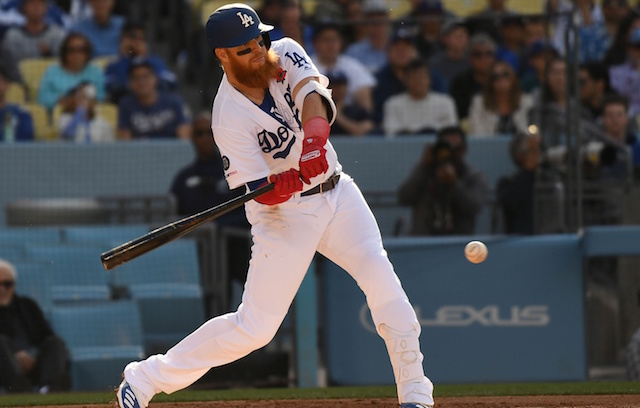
(476, 252)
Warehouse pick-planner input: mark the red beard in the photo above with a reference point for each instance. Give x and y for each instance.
(257, 77)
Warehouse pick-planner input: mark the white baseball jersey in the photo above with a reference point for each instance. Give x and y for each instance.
(337, 223)
(253, 143)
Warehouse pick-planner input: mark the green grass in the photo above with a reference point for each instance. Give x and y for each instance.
(590, 387)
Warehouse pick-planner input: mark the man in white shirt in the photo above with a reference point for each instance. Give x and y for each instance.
(418, 110)
(327, 44)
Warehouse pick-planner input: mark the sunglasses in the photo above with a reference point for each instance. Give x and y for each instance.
(7, 284)
(500, 75)
(248, 50)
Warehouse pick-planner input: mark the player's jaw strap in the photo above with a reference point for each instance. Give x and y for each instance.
(314, 86)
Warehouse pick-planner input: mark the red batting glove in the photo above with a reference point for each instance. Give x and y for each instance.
(285, 184)
(313, 160)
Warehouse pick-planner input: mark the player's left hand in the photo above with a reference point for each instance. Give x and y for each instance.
(313, 160)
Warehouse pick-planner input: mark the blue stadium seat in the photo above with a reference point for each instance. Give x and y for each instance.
(176, 262)
(103, 233)
(102, 338)
(77, 273)
(34, 281)
(166, 285)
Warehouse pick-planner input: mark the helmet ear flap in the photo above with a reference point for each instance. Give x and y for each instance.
(267, 39)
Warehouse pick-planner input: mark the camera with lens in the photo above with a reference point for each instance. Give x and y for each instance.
(442, 153)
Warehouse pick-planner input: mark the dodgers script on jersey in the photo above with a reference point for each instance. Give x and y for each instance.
(254, 143)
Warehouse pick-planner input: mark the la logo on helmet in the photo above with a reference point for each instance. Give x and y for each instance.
(245, 19)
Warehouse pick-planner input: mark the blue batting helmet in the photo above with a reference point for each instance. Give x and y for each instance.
(235, 24)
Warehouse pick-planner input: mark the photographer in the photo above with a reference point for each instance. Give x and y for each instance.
(444, 192)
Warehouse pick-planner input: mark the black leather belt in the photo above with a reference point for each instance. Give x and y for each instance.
(326, 186)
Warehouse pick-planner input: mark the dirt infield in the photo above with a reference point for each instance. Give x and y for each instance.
(555, 401)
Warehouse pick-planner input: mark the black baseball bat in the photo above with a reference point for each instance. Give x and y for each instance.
(160, 236)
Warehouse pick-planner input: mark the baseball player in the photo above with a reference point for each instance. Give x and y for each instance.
(271, 120)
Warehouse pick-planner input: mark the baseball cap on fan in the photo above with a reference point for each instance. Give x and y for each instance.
(235, 24)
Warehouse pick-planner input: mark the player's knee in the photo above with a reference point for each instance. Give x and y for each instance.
(260, 327)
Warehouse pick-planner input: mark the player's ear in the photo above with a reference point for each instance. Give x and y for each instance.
(221, 54)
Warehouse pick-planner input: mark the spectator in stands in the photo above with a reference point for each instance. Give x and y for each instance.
(11, 14)
(502, 108)
(74, 68)
(351, 119)
(550, 112)
(515, 193)
(418, 110)
(596, 35)
(593, 78)
(31, 354)
(615, 158)
(430, 15)
(201, 185)
(488, 20)
(102, 28)
(511, 48)
(401, 52)
(444, 192)
(466, 85)
(625, 78)
(147, 113)
(293, 27)
(345, 13)
(535, 29)
(133, 46)
(16, 123)
(270, 12)
(533, 76)
(79, 120)
(371, 51)
(327, 44)
(10, 65)
(454, 59)
(617, 53)
(586, 14)
(36, 38)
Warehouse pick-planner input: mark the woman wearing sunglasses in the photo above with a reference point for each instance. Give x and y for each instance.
(502, 108)
(73, 69)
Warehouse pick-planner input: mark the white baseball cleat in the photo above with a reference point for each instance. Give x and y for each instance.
(414, 405)
(126, 396)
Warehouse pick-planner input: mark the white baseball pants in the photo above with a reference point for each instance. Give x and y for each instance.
(339, 225)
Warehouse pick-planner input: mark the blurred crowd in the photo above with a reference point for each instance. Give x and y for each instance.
(83, 71)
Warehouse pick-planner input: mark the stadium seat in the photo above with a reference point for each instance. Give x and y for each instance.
(32, 70)
(77, 273)
(102, 338)
(109, 112)
(166, 285)
(103, 234)
(102, 62)
(173, 263)
(41, 122)
(16, 94)
(34, 281)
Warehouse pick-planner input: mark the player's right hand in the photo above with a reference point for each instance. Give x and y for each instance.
(285, 184)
